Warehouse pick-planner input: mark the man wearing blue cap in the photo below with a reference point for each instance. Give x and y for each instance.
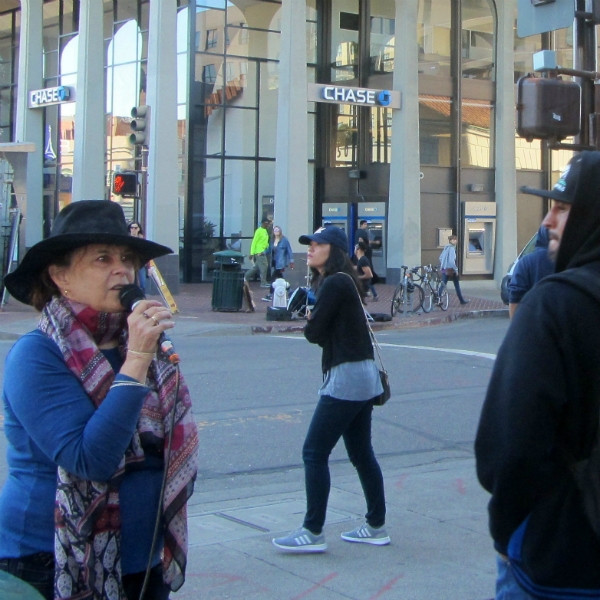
(539, 423)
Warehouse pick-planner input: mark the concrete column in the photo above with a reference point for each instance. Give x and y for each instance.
(291, 167)
(506, 177)
(29, 125)
(162, 223)
(404, 216)
(89, 169)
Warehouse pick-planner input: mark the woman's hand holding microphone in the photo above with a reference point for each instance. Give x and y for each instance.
(147, 321)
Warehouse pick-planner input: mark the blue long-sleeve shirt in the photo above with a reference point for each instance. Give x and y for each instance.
(49, 419)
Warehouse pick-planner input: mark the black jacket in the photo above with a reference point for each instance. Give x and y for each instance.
(337, 323)
(544, 394)
(544, 398)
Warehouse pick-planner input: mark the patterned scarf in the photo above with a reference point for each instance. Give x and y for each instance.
(87, 519)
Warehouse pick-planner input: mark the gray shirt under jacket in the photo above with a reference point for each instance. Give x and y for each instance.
(352, 381)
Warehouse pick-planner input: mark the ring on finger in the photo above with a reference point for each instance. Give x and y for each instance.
(156, 321)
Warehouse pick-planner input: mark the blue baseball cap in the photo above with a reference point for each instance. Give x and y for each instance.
(327, 235)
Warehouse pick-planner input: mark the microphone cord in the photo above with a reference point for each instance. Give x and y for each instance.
(157, 523)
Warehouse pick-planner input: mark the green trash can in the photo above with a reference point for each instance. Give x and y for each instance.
(228, 281)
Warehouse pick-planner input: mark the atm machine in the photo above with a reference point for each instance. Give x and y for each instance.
(374, 213)
(479, 228)
(340, 215)
(336, 213)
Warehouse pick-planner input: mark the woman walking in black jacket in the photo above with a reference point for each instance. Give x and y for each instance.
(351, 382)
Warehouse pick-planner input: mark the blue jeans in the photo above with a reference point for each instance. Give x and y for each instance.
(456, 283)
(332, 420)
(507, 587)
(36, 569)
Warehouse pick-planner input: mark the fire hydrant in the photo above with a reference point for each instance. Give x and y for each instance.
(280, 287)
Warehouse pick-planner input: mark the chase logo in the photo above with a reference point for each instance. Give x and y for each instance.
(49, 96)
(384, 98)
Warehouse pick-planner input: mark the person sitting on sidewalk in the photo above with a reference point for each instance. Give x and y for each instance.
(259, 252)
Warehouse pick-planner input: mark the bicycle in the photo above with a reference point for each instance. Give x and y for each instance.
(407, 289)
(434, 289)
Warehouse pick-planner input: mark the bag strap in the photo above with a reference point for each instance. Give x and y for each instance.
(374, 341)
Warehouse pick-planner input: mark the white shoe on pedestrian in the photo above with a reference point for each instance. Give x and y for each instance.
(365, 534)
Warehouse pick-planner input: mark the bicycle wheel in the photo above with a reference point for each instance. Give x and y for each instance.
(415, 300)
(443, 299)
(396, 301)
(427, 298)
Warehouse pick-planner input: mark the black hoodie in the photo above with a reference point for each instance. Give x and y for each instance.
(543, 403)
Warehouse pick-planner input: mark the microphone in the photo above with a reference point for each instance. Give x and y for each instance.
(130, 296)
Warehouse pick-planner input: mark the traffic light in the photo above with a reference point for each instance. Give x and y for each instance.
(125, 184)
(140, 126)
(547, 108)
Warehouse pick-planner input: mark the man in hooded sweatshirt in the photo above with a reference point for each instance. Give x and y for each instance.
(529, 270)
(542, 408)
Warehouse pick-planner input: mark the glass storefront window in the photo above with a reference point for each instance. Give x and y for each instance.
(435, 130)
(382, 27)
(478, 33)
(562, 42)
(346, 136)
(477, 122)
(344, 40)
(234, 99)
(434, 37)
(311, 32)
(240, 132)
(525, 48)
(559, 159)
(69, 17)
(528, 155)
(381, 135)
(7, 43)
(238, 200)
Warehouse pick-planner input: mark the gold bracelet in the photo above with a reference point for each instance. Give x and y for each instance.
(142, 354)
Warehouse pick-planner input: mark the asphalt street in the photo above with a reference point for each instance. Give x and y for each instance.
(253, 399)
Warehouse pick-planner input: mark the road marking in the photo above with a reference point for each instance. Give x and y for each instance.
(447, 350)
(429, 348)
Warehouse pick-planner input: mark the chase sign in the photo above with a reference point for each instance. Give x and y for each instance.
(50, 96)
(337, 94)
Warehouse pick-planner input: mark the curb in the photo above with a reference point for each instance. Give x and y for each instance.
(412, 322)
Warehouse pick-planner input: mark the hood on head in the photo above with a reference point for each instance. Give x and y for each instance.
(580, 243)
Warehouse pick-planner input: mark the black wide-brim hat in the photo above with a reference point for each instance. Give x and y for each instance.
(77, 225)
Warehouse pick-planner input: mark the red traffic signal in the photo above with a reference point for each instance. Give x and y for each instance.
(125, 184)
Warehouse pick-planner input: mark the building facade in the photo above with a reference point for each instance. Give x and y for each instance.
(261, 108)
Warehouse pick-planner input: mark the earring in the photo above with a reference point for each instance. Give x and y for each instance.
(65, 292)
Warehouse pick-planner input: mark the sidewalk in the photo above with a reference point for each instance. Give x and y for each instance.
(194, 302)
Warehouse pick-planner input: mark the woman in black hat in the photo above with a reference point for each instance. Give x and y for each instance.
(86, 406)
(351, 383)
